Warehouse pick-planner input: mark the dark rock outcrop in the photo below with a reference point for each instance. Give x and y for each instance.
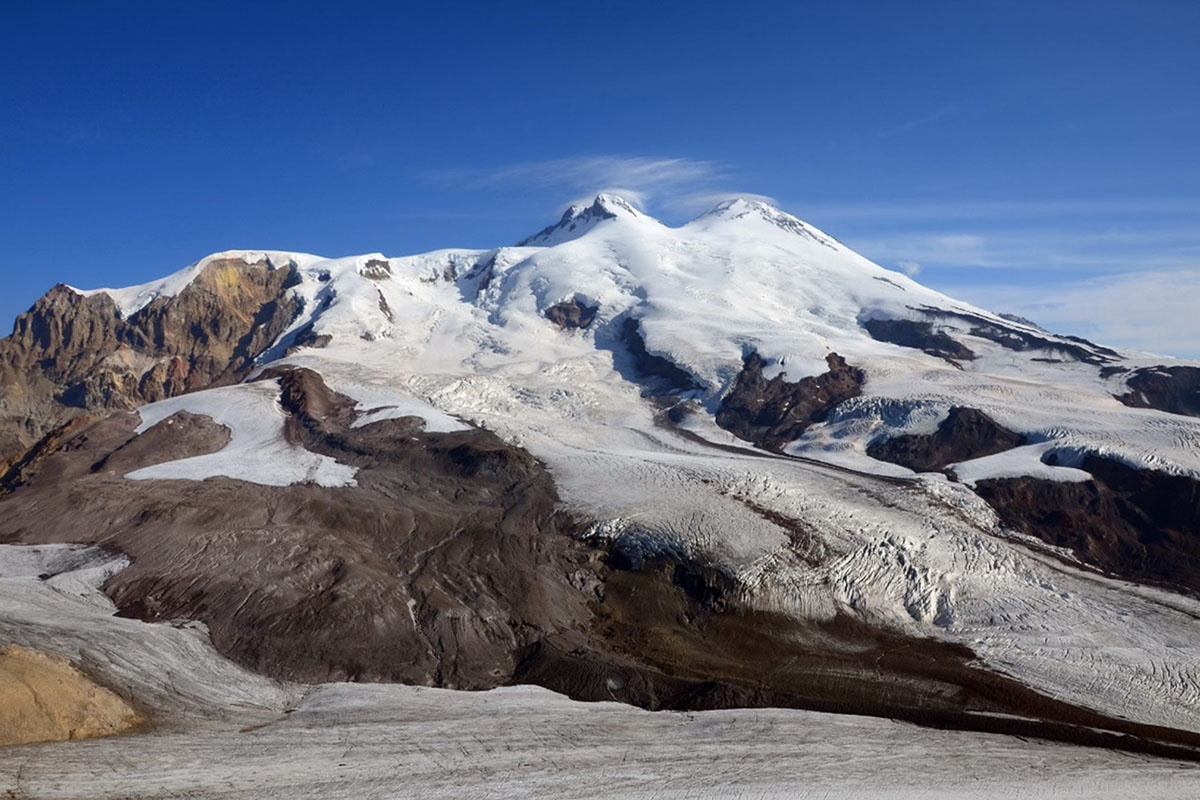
(772, 413)
(572, 314)
(376, 269)
(1139, 524)
(964, 434)
(1020, 339)
(71, 355)
(919, 335)
(1175, 389)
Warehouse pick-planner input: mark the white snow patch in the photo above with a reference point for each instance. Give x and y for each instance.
(1025, 461)
(378, 403)
(258, 451)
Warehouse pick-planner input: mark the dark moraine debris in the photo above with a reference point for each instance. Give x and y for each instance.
(773, 413)
(1138, 524)
(572, 314)
(964, 434)
(442, 566)
(670, 632)
(1175, 390)
(919, 335)
(663, 373)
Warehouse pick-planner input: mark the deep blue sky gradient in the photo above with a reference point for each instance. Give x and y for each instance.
(1013, 145)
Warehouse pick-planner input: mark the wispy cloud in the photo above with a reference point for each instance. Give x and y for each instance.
(1015, 247)
(638, 178)
(1154, 311)
(1121, 271)
(673, 185)
(916, 211)
(930, 118)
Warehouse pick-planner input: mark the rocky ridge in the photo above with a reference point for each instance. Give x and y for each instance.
(74, 354)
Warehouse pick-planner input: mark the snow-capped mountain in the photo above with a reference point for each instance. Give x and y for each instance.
(726, 463)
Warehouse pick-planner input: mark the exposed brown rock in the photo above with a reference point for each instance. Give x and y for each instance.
(1138, 524)
(966, 433)
(440, 567)
(1175, 390)
(44, 698)
(376, 269)
(773, 413)
(70, 354)
(919, 335)
(307, 337)
(571, 314)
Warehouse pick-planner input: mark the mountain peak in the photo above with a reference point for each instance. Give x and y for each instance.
(578, 219)
(743, 208)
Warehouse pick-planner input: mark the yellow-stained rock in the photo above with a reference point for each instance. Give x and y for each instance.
(44, 698)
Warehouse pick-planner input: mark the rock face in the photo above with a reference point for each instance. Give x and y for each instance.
(1138, 524)
(571, 314)
(966, 433)
(919, 335)
(772, 413)
(670, 633)
(73, 354)
(1175, 390)
(44, 698)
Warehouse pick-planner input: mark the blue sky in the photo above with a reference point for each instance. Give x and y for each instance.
(1037, 157)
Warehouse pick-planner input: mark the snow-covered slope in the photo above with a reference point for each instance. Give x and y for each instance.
(467, 335)
(742, 277)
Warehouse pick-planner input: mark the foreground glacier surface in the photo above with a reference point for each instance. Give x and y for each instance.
(231, 734)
